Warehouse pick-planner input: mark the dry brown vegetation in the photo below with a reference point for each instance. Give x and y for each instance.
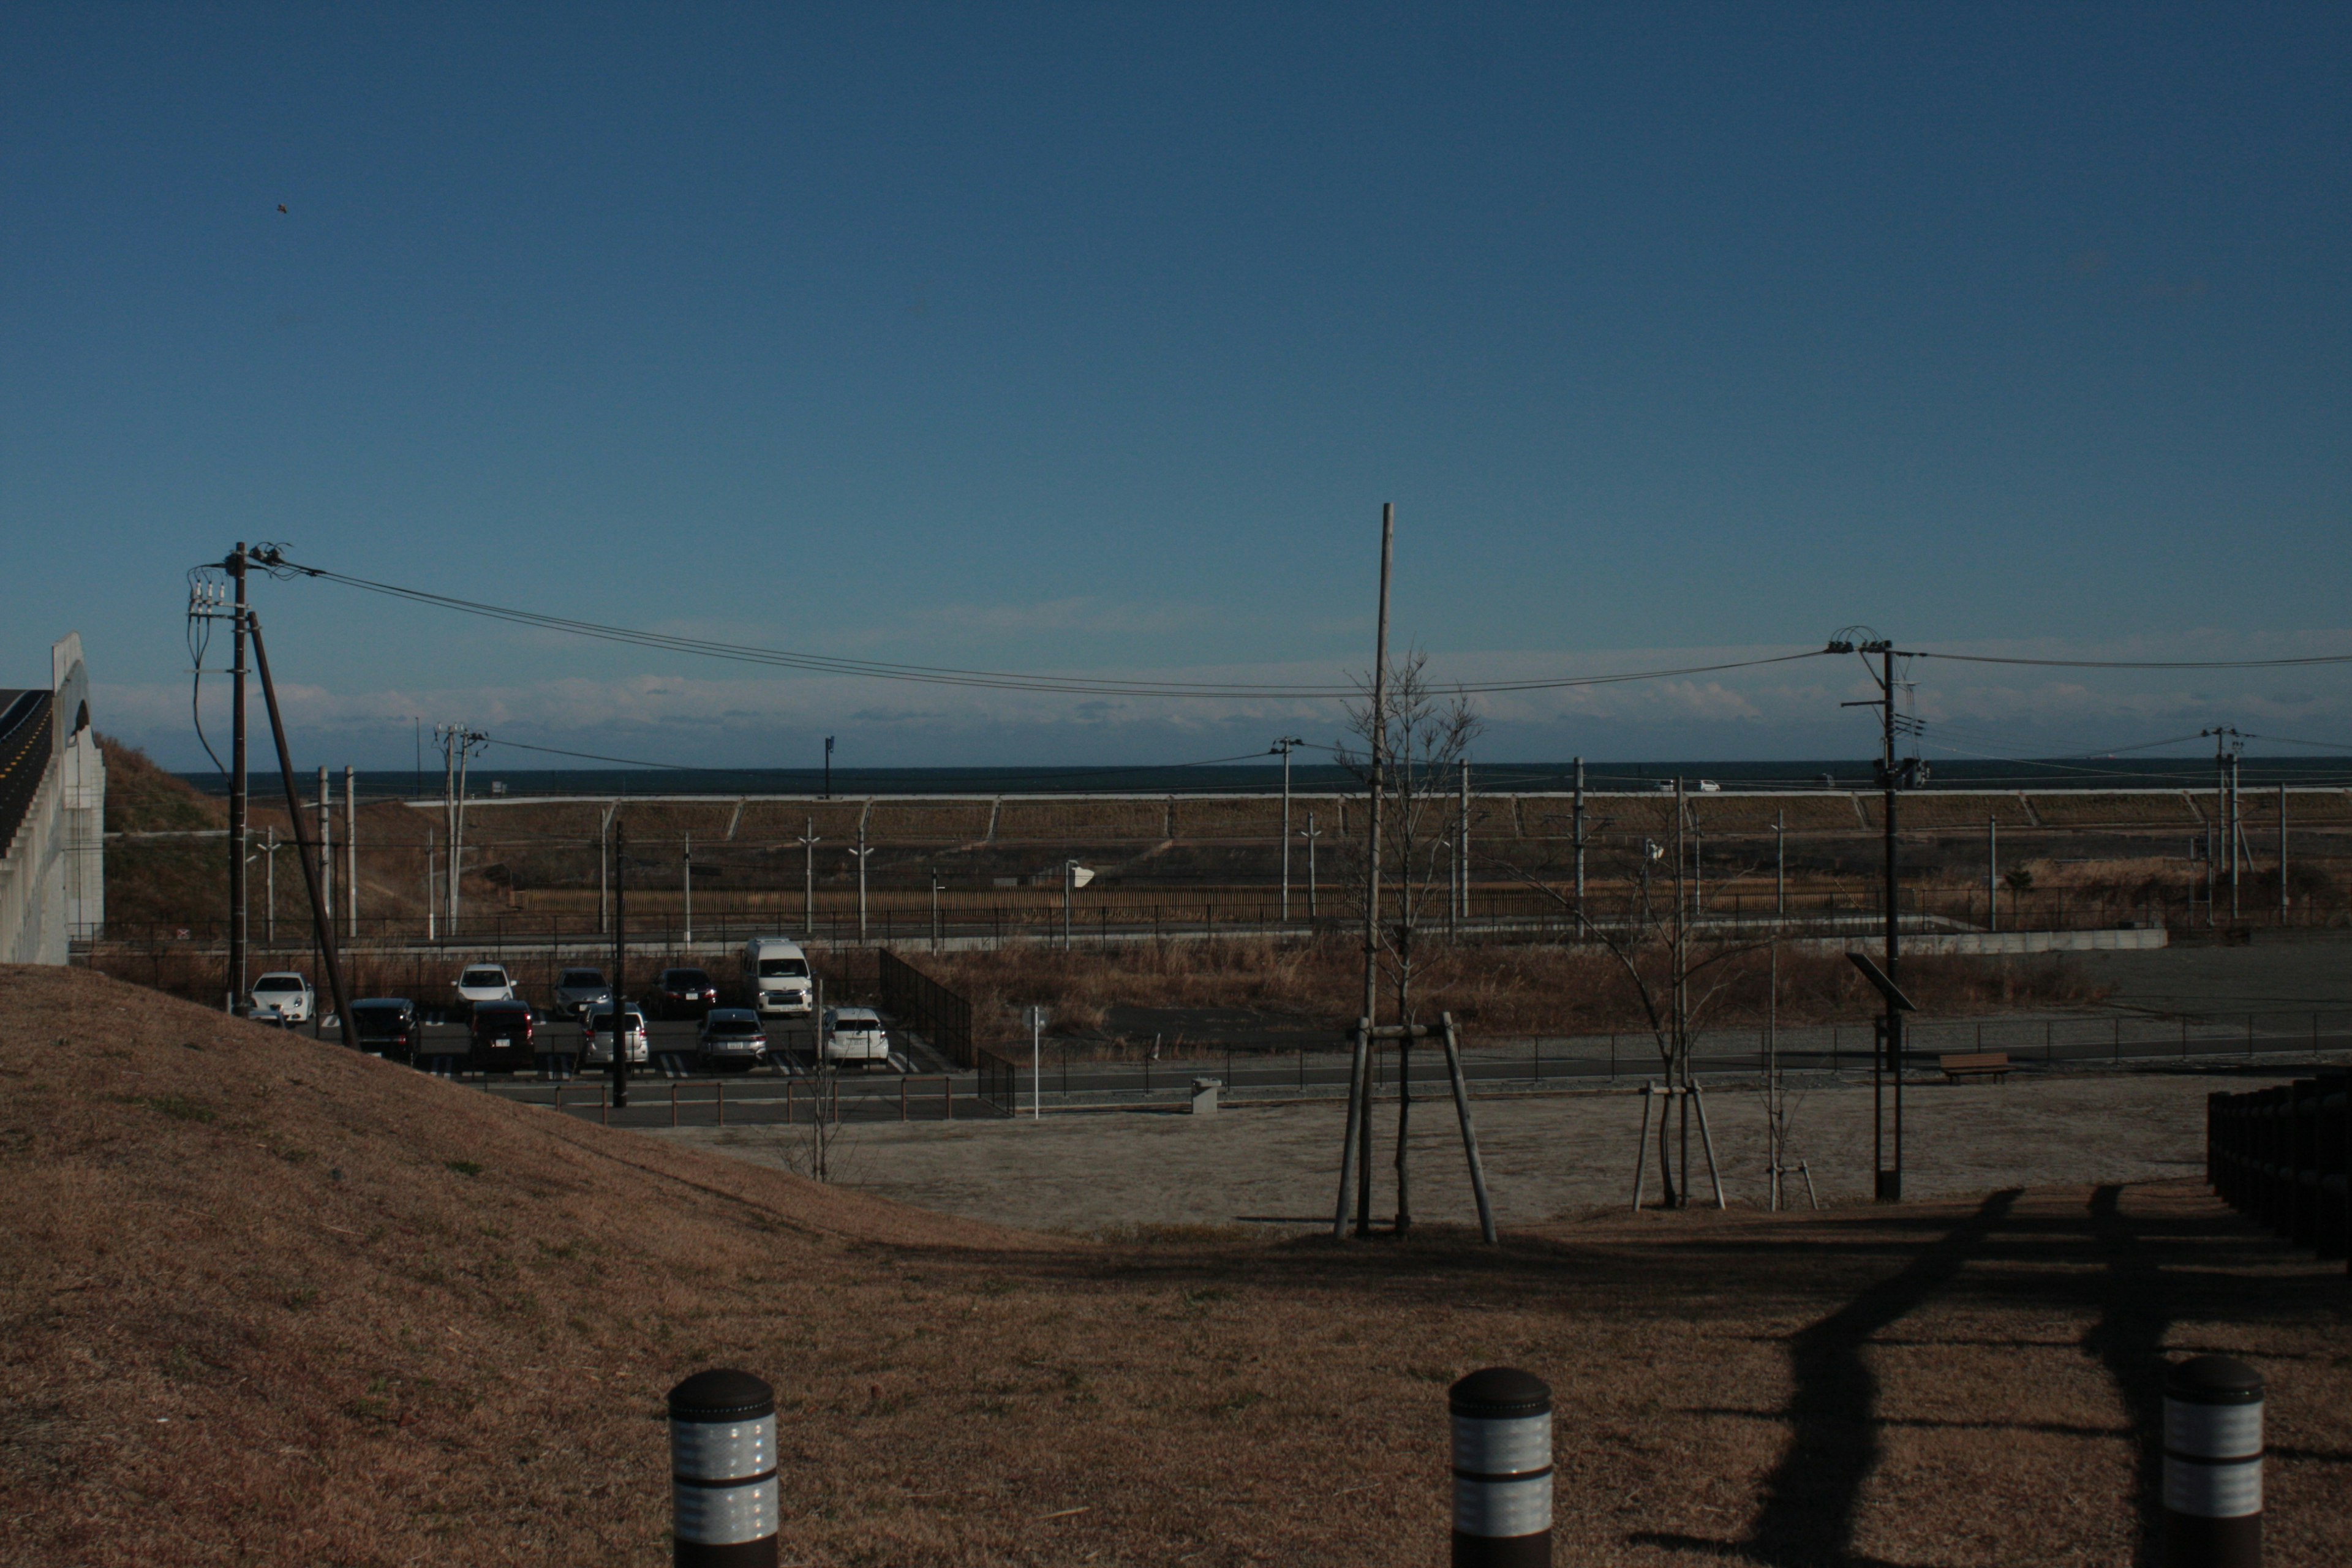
(267, 1303)
(1494, 989)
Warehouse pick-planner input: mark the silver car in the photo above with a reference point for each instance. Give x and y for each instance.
(732, 1037)
(577, 990)
(596, 1035)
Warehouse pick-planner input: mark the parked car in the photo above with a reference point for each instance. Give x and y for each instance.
(482, 983)
(684, 993)
(577, 990)
(596, 1035)
(731, 1038)
(776, 973)
(387, 1027)
(855, 1035)
(289, 994)
(500, 1037)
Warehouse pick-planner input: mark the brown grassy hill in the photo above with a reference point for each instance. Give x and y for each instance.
(159, 879)
(267, 1303)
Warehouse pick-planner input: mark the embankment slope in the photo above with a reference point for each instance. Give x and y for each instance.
(262, 1302)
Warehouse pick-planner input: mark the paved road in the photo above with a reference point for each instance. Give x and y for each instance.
(767, 1097)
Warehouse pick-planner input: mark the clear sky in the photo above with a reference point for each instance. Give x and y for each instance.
(1091, 337)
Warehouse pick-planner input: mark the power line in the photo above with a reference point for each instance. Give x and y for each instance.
(2137, 663)
(1004, 681)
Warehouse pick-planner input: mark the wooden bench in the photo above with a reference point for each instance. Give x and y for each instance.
(1993, 1065)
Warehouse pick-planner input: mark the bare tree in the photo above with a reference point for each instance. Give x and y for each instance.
(1676, 970)
(1421, 737)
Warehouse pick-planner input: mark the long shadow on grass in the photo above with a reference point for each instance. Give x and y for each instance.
(2137, 1306)
(1811, 1497)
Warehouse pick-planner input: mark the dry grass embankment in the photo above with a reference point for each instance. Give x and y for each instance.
(267, 1303)
(1495, 989)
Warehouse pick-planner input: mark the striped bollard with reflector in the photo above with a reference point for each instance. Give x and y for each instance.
(1502, 1469)
(2212, 1464)
(722, 1461)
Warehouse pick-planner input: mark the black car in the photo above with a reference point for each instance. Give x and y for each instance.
(683, 994)
(501, 1038)
(387, 1027)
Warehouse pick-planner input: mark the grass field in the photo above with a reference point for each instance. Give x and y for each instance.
(271, 1303)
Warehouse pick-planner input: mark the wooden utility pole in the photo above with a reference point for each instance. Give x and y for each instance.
(1890, 1182)
(1357, 1138)
(239, 833)
(620, 1069)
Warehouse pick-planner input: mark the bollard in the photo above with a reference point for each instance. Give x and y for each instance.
(1502, 1469)
(2212, 1464)
(722, 1449)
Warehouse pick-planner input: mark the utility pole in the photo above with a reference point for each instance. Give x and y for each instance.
(239, 833)
(686, 870)
(1311, 833)
(2227, 744)
(433, 884)
(458, 744)
(620, 1069)
(1892, 778)
(1356, 1157)
(808, 842)
(828, 767)
(1284, 745)
(270, 917)
(351, 854)
(1681, 1078)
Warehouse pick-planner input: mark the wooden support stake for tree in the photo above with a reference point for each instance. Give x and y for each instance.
(1348, 1150)
(1469, 1134)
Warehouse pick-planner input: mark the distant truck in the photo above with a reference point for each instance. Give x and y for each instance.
(776, 974)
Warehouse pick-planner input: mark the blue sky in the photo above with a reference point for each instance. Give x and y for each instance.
(1092, 337)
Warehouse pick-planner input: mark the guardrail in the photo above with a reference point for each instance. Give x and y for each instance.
(2284, 1156)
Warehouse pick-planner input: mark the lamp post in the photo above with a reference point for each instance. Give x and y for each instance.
(1283, 746)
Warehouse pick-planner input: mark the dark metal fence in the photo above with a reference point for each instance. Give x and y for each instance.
(933, 1010)
(2284, 1156)
(1000, 1083)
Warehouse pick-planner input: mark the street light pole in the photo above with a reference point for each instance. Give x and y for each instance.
(1283, 746)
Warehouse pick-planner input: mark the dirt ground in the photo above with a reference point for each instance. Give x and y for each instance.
(265, 1301)
(1547, 1157)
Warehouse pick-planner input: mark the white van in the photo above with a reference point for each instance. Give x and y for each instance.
(776, 974)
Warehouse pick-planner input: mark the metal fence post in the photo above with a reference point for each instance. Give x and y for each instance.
(1502, 1469)
(722, 1449)
(2212, 1464)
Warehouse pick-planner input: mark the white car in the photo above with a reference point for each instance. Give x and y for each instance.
(596, 1035)
(484, 983)
(286, 993)
(855, 1035)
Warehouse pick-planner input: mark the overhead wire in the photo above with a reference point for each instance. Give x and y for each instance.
(942, 675)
